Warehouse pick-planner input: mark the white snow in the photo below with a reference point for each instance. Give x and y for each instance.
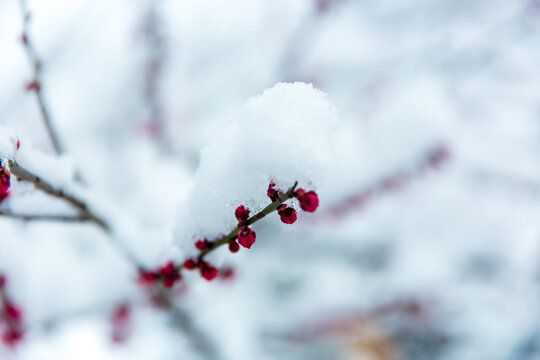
(283, 135)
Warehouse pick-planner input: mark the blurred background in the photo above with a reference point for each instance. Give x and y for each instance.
(426, 244)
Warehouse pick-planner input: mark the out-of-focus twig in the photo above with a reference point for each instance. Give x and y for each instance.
(252, 220)
(43, 217)
(183, 321)
(25, 175)
(433, 159)
(79, 204)
(154, 42)
(180, 317)
(36, 84)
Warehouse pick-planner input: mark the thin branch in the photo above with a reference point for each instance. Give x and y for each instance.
(80, 205)
(184, 322)
(155, 44)
(252, 220)
(180, 317)
(100, 308)
(432, 160)
(36, 64)
(43, 217)
(25, 175)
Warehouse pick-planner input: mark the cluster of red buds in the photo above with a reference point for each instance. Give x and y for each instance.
(11, 318)
(121, 323)
(169, 274)
(309, 201)
(5, 183)
(207, 270)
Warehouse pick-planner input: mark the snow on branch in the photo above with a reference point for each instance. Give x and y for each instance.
(281, 139)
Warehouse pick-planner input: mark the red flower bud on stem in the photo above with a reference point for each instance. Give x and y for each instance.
(121, 319)
(12, 336)
(190, 264)
(12, 312)
(33, 85)
(5, 183)
(3, 281)
(246, 237)
(208, 272)
(227, 273)
(147, 278)
(233, 246)
(272, 192)
(309, 201)
(201, 244)
(242, 214)
(169, 275)
(287, 214)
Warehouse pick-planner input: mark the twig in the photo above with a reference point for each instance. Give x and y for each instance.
(432, 160)
(183, 321)
(36, 64)
(84, 212)
(25, 175)
(154, 42)
(43, 217)
(90, 310)
(180, 316)
(252, 220)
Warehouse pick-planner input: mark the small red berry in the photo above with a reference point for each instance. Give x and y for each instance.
(287, 214)
(190, 264)
(169, 275)
(3, 281)
(147, 277)
(309, 201)
(272, 192)
(5, 183)
(246, 237)
(32, 85)
(201, 244)
(242, 214)
(12, 312)
(233, 246)
(227, 273)
(121, 314)
(299, 193)
(438, 156)
(208, 271)
(121, 318)
(12, 336)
